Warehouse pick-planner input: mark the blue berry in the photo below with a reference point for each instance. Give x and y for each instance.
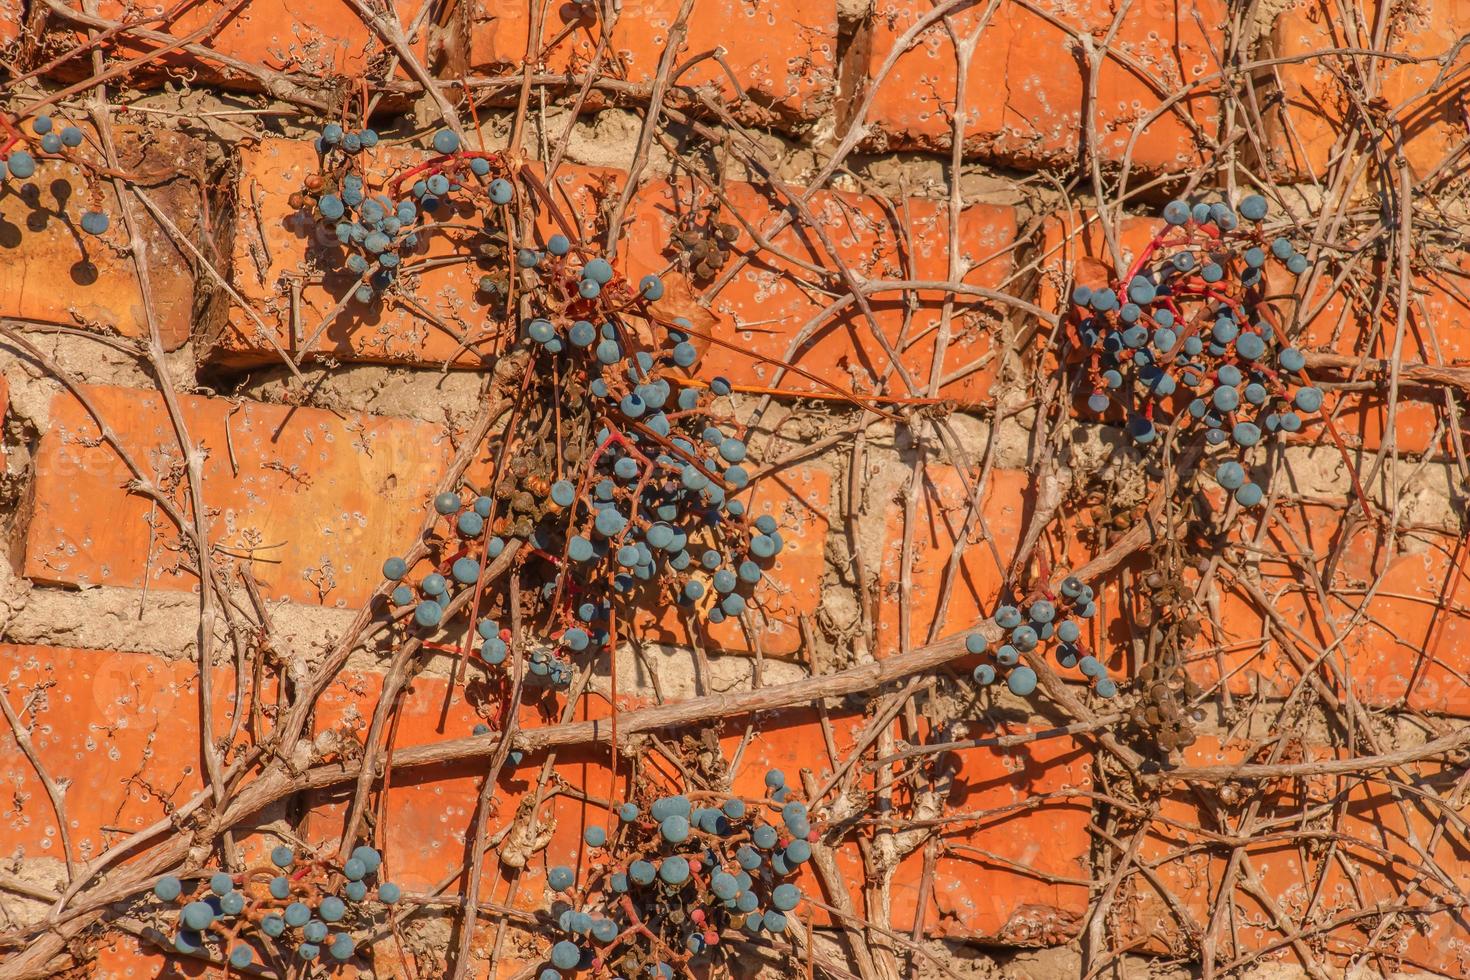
(168, 888)
(984, 675)
(445, 141)
(1021, 681)
(389, 893)
(1308, 399)
(1230, 475)
(1176, 213)
(674, 870)
(21, 164)
(342, 947)
(560, 878)
(95, 222)
(197, 915)
(599, 271)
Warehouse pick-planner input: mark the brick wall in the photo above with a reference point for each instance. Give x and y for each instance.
(208, 452)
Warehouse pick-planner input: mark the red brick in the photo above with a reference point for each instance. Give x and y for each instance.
(991, 877)
(1024, 97)
(121, 729)
(1301, 877)
(273, 248)
(800, 498)
(1432, 335)
(430, 812)
(944, 504)
(12, 15)
(306, 488)
(782, 53)
(311, 42)
(1315, 109)
(1407, 647)
(118, 955)
(764, 308)
(56, 274)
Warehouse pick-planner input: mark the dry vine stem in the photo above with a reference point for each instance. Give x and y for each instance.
(875, 235)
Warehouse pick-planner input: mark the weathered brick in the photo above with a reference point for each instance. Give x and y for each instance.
(430, 812)
(975, 585)
(275, 255)
(56, 274)
(117, 733)
(1405, 645)
(1025, 92)
(314, 42)
(772, 302)
(1291, 867)
(782, 54)
(1322, 93)
(313, 500)
(12, 16)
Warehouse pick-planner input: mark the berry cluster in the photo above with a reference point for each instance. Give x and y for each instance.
(19, 150)
(290, 911)
(668, 881)
(618, 480)
(1189, 326)
(1038, 624)
(377, 228)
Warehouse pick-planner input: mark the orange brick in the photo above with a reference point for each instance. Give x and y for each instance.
(800, 498)
(1432, 335)
(274, 255)
(12, 15)
(995, 877)
(782, 53)
(56, 274)
(309, 497)
(315, 41)
(1024, 97)
(118, 731)
(1304, 880)
(1315, 109)
(430, 812)
(766, 306)
(1074, 244)
(944, 505)
(1406, 647)
(118, 955)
